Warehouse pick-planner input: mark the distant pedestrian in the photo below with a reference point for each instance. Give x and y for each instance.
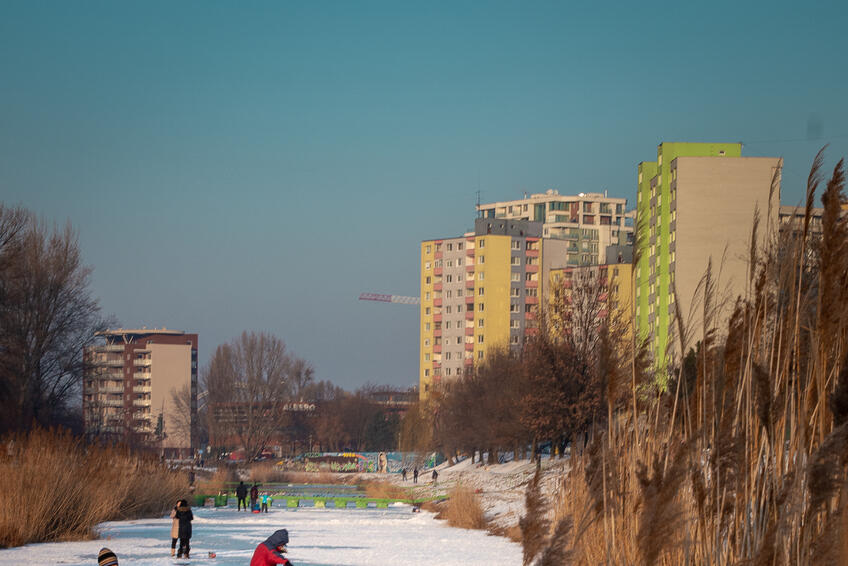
(264, 502)
(241, 494)
(435, 476)
(106, 558)
(403, 474)
(254, 495)
(175, 528)
(415, 474)
(185, 517)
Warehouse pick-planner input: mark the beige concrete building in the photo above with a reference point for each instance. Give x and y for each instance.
(712, 205)
(589, 222)
(129, 386)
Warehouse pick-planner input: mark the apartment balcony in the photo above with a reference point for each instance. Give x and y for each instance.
(111, 389)
(142, 375)
(531, 331)
(437, 255)
(469, 315)
(142, 389)
(469, 268)
(141, 402)
(109, 348)
(141, 416)
(469, 252)
(469, 346)
(532, 253)
(110, 403)
(469, 361)
(469, 300)
(530, 316)
(437, 317)
(437, 286)
(438, 271)
(437, 332)
(469, 284)
(531, 300)
(145, 362)
(531, 268)
(437, 302)
(437, 348)
(437, 365)
(531, 284)
(469, 331)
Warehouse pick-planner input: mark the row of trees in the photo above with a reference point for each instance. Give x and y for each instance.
(47, 316)
(260, 395)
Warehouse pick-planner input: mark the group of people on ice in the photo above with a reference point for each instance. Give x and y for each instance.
(241, 494)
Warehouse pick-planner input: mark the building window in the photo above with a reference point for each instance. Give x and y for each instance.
(426, 249)
(515, 276)
(513, 323)
(481, 259)
(447, 309)
(515, 292)
(479, 338)
(480, 355)
(460, 292)
(448, 278)
(427, 280)
(427, 342)
(427, 327)
(459, 339)
(427, 265)
(450, 247)
(516, 245)
(481, 276)
(481, 291)
(459, 246)
(513, 339)
(480, 307)
(515, 260)
(481, 243)
(427, 296)
(458, 308)
(426, 310)
(513, 307)
(450, 263)
(528, 308)
(447, 355)
(479, 323)
(447, 325)
(427, 357)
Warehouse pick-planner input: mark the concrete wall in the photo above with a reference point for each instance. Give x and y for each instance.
(715, 202)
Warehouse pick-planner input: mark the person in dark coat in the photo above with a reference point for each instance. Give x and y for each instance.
(185, 517)
(241, 494)
(415, 475)
(271, 551)
(435, 476)
(254, 495)
(175, 528)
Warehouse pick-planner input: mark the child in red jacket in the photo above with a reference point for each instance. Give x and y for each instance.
(271, 551)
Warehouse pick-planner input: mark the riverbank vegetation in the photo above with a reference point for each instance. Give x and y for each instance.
(58, 488)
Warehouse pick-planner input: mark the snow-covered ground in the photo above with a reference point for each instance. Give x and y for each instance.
(325, 537)
(330, 537)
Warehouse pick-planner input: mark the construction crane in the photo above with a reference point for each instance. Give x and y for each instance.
(389, 298)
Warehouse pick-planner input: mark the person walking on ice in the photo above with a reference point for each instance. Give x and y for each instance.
(415, 474)
(175, 528)
(241, 494)
(271, 551)
(185, 517)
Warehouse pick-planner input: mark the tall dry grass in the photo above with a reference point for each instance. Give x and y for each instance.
(58, 488)
(463, 509)
(748, 462)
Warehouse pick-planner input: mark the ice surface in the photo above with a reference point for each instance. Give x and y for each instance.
(319, 537)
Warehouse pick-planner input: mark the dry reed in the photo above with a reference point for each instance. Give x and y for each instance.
(749, 464)
(60, 489)
(463, 509)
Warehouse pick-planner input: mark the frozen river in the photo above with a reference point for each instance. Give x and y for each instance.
(319, 537)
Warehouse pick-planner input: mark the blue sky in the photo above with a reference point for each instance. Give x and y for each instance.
(234, 166)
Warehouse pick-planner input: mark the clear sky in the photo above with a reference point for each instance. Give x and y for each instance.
(255, 166)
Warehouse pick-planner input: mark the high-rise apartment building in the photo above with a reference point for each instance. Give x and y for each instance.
(129, 387)
(696, 204)
(589, 222)
(480, 291)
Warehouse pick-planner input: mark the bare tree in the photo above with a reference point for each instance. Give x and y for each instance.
(249, 382)
(47, 316)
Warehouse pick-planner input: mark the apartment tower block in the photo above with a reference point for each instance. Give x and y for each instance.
(129, 386)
